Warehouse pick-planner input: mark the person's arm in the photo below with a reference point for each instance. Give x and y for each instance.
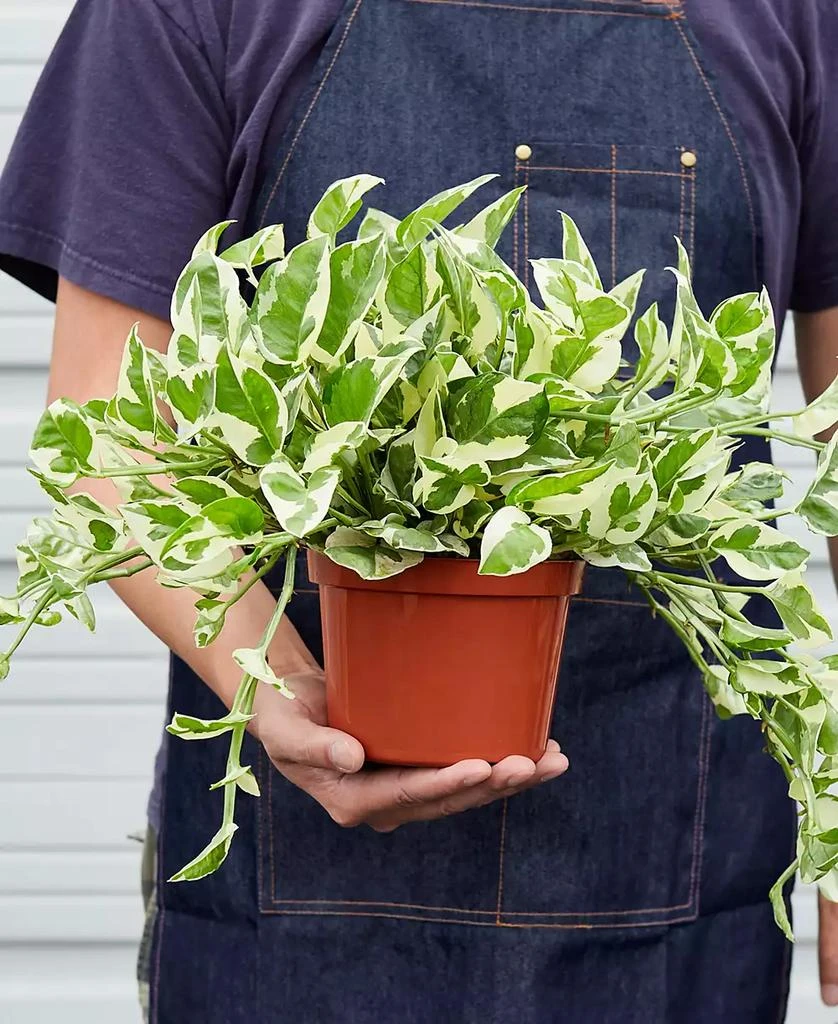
(817, 357)
(90, 331)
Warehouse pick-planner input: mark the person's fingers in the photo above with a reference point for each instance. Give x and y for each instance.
(501, 784)
(296, 739)
(828, 950)
(394, 792)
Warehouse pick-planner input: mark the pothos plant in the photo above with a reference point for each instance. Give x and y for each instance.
(400, 395)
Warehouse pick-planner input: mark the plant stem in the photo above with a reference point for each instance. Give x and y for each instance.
(150, 468)
(43, 603)
(347, 497)
(695, 581)
(791, 439)
(116, 574)
(246, 693)
(254, 579)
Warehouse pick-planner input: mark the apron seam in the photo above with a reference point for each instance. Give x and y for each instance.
(672, 16)
(731, 138)
(520, 925)
(605, 170)
(500, 860)
(693, 190)
(527, 227)
(613, 216)
(314, 100)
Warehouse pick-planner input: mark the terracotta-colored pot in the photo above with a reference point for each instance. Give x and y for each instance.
(439, 664)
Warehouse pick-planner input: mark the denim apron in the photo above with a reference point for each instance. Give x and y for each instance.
(634, 889)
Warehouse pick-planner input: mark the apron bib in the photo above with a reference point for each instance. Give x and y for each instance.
(633, 889)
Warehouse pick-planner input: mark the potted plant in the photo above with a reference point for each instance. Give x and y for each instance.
(451, 453)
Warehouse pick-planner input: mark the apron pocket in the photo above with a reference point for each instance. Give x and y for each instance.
(617, 842)
(436, 871)
(629, 202)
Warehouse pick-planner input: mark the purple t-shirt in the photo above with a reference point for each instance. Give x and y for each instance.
(154, 119)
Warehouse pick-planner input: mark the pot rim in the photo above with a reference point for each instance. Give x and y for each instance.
(454, 575)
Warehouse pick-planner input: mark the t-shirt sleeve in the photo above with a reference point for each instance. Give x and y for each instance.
(120, 161)
(816, 267)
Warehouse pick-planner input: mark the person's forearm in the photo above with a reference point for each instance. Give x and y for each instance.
(89, 335)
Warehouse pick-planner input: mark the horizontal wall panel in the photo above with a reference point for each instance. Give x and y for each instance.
(84, 742)
(118, 632)
(111, 680)
(71, 874)
(75, 983)
(16, 84)
(26, 341)
(21, 492)
(28, 31)
(68, 816)
(70, 919)
(96, 815)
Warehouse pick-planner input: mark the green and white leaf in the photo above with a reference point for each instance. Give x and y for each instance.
(512, 543)
(299, 505)
(371, 559)
(340, 203)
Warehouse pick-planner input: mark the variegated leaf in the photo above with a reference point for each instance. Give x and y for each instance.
(356, 270)
(487, 226)
(291, 301)
(497, 417)
(249, 410)
(418, 224)
(62, 445)
(300, 506)
(819, 508)
(512, 543)
(757, 551)
(266, 245)
(796, 606)
(339, 204)
(254, 662)
(369, 558)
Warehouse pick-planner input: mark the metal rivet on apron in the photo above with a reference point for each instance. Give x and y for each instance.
(688, 158)
(523, 152)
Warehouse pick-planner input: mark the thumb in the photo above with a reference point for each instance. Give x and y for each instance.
(828, 950)
(301, 741)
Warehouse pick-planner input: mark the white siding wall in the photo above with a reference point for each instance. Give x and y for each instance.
(70, 792)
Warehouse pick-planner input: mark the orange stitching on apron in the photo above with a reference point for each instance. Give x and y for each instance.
(682, 206)
(308, 113)
(500, 861)
(527, 227)
(598, 170)
(700, 805)
(673, 16)
(613, 216)
(483, 913)
(271, 830)
(479, 924)
(518, 213)
(729, 132)
(694, 182)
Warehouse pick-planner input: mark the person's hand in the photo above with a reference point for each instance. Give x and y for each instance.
(328, 764)
(828, 950)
